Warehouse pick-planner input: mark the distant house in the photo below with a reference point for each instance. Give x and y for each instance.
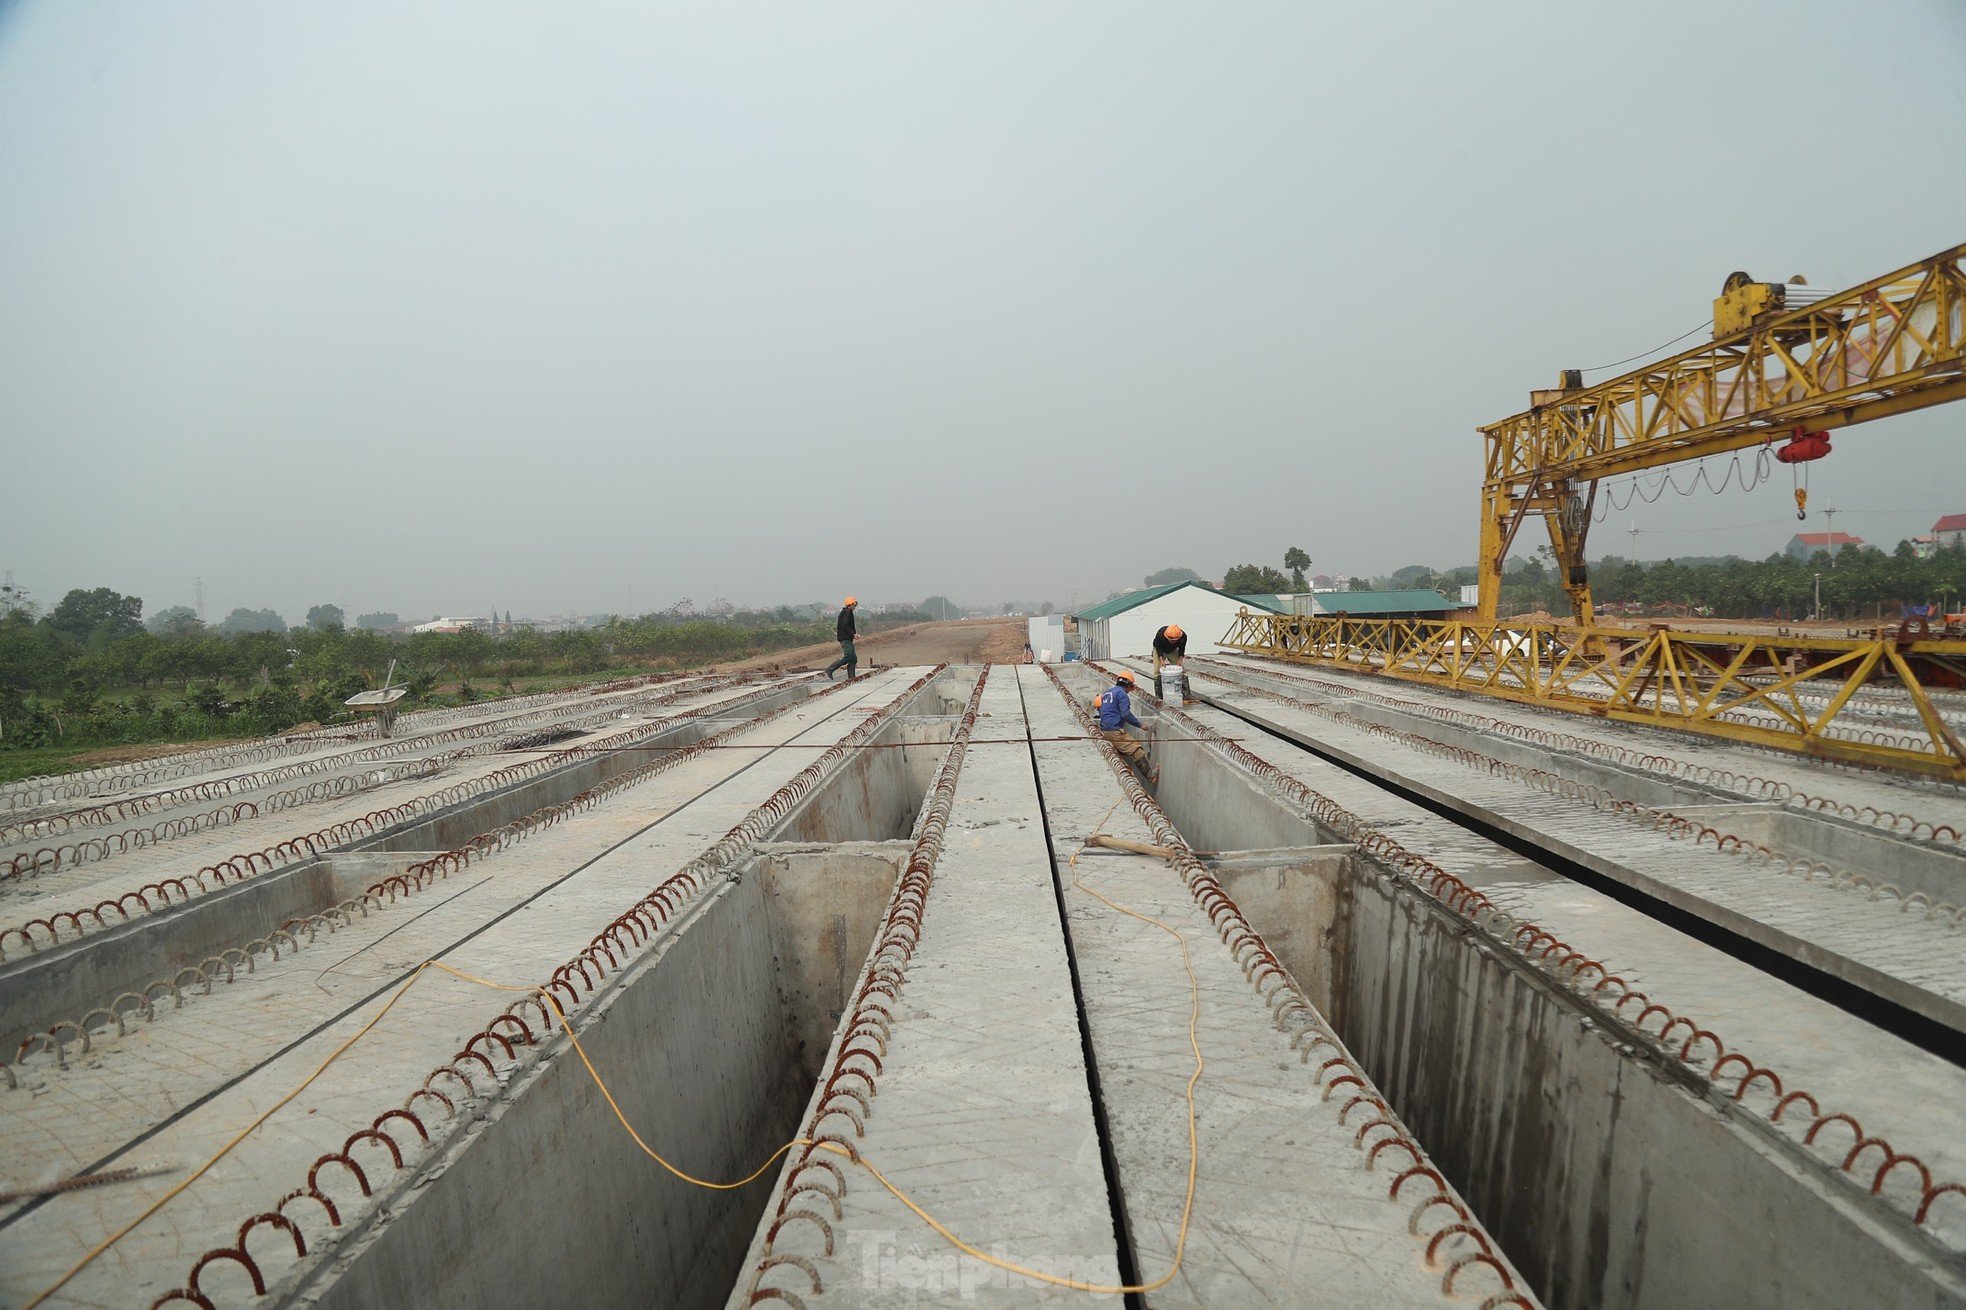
(452, 624)
(1950, 531)
(1804, 544)
(1125, 625)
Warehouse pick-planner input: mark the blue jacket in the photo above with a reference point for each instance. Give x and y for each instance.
(1115, 708)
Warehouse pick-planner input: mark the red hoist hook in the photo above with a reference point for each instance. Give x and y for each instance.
(1801, 448)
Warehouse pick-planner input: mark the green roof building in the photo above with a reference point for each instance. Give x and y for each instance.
(1409, 603)
(1125, 625)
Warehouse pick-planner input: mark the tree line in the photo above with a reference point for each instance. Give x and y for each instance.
(91, 672)
(1862, 584)
(1246, 579)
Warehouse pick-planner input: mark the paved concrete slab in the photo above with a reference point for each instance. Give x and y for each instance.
(983, 1113)
(1907, 1096)
(1286, 1211)
(1909, 959)
(1928, 799)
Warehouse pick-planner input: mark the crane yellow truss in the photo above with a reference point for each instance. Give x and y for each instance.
(1891, 345)
(1856, 701)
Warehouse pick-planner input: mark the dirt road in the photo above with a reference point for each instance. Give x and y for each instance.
(955, 641)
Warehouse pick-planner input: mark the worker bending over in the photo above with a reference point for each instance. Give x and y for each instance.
(1115, 712)
(844, 630)
(1170, 647)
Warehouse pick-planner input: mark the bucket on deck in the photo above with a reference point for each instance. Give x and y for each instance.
(1173, 684)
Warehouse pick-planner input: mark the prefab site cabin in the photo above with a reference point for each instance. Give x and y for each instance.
(1126, 624)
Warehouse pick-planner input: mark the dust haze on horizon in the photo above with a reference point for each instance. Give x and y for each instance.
(444, 307)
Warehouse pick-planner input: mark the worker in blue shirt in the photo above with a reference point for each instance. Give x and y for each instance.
(1115, 712)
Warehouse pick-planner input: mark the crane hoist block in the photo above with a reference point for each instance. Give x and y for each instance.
(1742, 300)
(1801, 447)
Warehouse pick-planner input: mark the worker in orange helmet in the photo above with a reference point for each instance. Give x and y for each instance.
(1115, 710)
(1170, 647)
(844, 631)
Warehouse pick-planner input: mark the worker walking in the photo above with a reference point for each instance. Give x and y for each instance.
(1115, 712)
(1170, 647)
(844, 631)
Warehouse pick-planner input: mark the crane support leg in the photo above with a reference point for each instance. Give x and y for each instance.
(1494, 528)
(1569, 527)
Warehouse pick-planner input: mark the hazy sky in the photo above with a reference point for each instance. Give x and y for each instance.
(549, 307)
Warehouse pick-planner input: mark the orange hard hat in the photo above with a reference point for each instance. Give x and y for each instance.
(852, 600)
(1174, 632)
(1124, 675)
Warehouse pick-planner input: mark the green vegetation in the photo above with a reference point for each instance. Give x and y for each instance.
(173, 621)
(1164, 577)
(91, 675)
(245, 620)
(38, 762)
(322, 617)
(1296, 561)
(1250, 579)
(1245, 579)
(1864, 584)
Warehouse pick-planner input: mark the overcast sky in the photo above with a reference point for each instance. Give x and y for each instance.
(571, 307)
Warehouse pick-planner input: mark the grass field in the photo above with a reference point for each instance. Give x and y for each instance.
(37, 761)
(40, 760)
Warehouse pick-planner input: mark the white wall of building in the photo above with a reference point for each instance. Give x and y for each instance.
(1205, 616)
(1047, 633)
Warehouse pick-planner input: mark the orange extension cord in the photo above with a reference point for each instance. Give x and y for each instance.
(1056, 1280)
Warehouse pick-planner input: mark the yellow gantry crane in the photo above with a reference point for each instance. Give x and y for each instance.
(1785, 368)
(1892, 345)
